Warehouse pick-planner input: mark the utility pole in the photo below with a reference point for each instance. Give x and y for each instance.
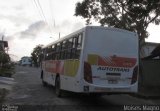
(2, 51)
(2, 37)
(59, 35)
(2, 42)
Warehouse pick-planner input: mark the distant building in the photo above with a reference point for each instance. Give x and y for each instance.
(26, 61)
(148, 48)
(3, 45)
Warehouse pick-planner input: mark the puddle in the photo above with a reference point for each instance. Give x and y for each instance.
(5, 86)
(20, 97)
(21, 72)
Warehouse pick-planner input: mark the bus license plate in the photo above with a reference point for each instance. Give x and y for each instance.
(112, 81)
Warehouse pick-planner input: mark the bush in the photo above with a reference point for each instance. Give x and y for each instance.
(4, 58)
(6, 67)
(7, 70)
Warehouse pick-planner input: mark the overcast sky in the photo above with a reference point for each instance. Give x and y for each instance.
(24, 25)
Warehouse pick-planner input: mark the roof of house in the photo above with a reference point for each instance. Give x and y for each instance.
(4, 42)
(152, 43)
(25, 57)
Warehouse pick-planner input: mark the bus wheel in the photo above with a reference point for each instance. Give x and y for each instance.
(57, 87)
(44, 83)
(96, 95)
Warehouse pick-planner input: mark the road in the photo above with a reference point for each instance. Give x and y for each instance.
(28, 90)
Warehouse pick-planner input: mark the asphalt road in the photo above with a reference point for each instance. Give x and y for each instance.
(29, 92)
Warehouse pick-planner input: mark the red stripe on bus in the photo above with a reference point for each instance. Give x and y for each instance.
(117, 61)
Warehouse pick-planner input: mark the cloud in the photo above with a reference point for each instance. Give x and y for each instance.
(33, 30)
(9, 38)
(68, 26)
(30, 33)
(15, 18)
(77, 26)
(20, 7)
(5, 38)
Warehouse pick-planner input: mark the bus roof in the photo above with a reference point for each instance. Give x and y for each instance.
(85, 28)
(65, 37)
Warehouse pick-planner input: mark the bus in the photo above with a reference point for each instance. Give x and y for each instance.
(91, 60)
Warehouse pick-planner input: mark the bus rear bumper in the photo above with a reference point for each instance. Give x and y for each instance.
(91, 88)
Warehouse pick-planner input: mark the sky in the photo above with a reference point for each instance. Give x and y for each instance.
(27, 23)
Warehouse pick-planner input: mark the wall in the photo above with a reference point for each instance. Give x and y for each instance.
(150, 73)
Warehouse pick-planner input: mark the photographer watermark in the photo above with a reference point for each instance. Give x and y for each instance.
(9, 108)
(141, 108)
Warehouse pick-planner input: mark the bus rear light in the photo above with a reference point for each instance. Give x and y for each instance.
(87, 72)
(135, 75)
(95, 77)
(86, 88)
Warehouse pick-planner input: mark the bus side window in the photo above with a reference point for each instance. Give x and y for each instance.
(74, 42)
(58, 51)
(53, 52)
(63, 50)
(43, 54)
(64, 45)
(53, 48)
(70, 43)
(78, 46)
(66, 48)
(69, 48)
(61, 55)
(74, 47)
(49, 52)
(46, 56)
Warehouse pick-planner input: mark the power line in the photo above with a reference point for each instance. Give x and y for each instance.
(44, 16)
(52, 17)
(40, 10)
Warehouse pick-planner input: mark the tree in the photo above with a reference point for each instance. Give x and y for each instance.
(4, 58)
(132, 15)
(36, 55)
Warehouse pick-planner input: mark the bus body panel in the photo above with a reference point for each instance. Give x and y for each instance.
(49, 77)
(68, 82)
(110, 54)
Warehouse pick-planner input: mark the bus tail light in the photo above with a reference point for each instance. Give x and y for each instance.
(87, 72)
(135, 75)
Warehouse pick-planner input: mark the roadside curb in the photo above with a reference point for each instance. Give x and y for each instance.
(145, 96)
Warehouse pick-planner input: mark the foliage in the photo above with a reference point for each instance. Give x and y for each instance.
(5, 72)
(4, 58)
(133, 15)
(36, 55)
(6, 66)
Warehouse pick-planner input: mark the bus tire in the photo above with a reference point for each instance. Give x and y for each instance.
(43, 82)
(97, 95)
(58, 90)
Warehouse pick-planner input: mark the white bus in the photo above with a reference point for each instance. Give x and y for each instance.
(93, 60)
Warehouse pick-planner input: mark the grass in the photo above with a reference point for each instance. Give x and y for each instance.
(3, 93)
